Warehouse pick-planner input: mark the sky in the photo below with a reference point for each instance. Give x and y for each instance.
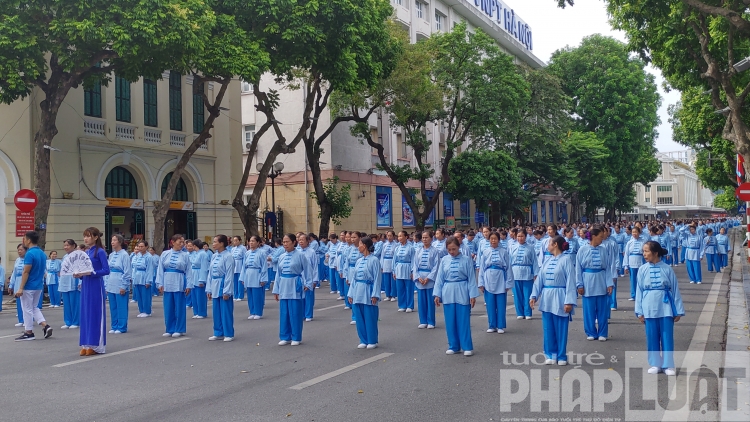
(554, 28)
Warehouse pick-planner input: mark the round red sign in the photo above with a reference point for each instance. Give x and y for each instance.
(25, 200)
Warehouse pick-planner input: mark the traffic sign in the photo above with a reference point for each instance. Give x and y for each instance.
(24, 222)
(741, 209)
(743, 192)
(26, 200)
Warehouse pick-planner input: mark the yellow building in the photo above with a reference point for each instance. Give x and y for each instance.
(113, 156)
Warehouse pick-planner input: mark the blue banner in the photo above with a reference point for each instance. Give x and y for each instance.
(407, 214)
(533, 212)
(479, 217)
(447, 204)
(431, 219)
(383, 206)
(544, 211)
(465, 209)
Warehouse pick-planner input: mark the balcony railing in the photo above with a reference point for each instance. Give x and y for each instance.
(177, 140)
(94, 127)
(152, 136)
(124, 132)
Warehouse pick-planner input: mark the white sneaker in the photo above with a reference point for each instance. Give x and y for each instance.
(295, 343)
(399, 309)
(198, 317)
(632, 298)
(500, 331)
(692, 282)
(166, 335)
(118, 332)
(214, 338)
(697, 282)
(562, 362)
(347, 307)
(64, 327)
(430, 326)
(111, 331)
(519, 317)
(393, 299)
(409, 310)
(612, 309)
(654, 370)
(468, 353)
(283, 343)
(228, 338)
(550, 362)
(670, 372)
(139, 315)
(590, 338)
(602, 338)
(175, 335)
(340, 298)
(258, 317)
(308, 319)
(73, 326)
(132, 301)
(491, 330)
(251, 317)
(372, 346)
(333, 293)
(420, 326)
(147, 315)
(450, 352)
(353, 323)
(361, 346)
(20, 324)
(528, 317)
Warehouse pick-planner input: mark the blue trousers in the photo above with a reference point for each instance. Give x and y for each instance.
(521, 294)
(621, 271)
(496, 304)
(633, 281)
(405, 293)
(694, 270)
(1, 299)
(144, 298)
(118, 311)
(555, 336)
(72, 308)
(723, 260)
(668, 259)
(388, 285)
(271, 278)
(174, 312)
(675, 255)
(189, 300)
(682, 255)
(596, 312)
(322, 273)
(713, 261)
(200, 301)
(367, 322)
(41, 298)
(333, 277)
(458, 326)
(256, 300)
(291, 317)
(223, 313)
(54, 294)
(344, 290)
(309, 303)
(426, 306)
(19, 312)
(612, 299)
(660, 342)
(136, 293)
(239, 288)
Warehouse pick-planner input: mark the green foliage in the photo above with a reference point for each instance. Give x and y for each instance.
(586, 162)
(727, 200)
(339, 198)
(616, 99)
(485, 176)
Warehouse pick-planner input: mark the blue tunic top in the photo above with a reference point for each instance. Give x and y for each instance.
(694, 244)
(657, 293)
(143, 269)
(295, 273)
(524, 262)
(403, 256)
(174, 272)
(119, 272)
(592, 271)
(633, 254)
(425, 265)
(495, 272)
(722, 244)
(15, 277)
(312, 256)
(253, 271)
(199, 264)
(709, 245)
(53, 271)
(456, 280)
(221, 275)
(238, 253)
(556, 287)
(386, 256)
(367, 280)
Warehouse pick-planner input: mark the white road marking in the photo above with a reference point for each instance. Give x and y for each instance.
(339, 371)
(341, 305)
(106, 355)
(12, 335)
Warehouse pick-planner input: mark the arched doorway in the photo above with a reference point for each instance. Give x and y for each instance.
(124, 212)
(181, 219)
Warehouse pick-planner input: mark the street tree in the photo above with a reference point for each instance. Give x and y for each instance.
(615, 98)
(338, 198)
(59, 45)
(584, 159)
(727, 200)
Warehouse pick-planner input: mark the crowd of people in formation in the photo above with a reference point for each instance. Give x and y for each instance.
(546, 267)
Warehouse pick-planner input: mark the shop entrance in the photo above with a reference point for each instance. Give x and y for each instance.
(124, 212)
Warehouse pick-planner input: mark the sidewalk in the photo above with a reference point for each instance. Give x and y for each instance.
(738, 320)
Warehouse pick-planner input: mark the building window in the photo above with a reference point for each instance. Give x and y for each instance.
(399, 2)
(247, 87)
(249, 133)
(199, 112)
(180, 192)
(438, 21)
(92, 100)
(647, 200)
(420, 9)
(667, 188)
(667, 200)
(175, 101)
(648, 188)
(120, 183)
(149, 103)
(401, 146)
(122, 99)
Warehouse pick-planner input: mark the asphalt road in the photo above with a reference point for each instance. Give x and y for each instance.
(145, 377)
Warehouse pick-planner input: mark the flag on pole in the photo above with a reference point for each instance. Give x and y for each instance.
(740, 170)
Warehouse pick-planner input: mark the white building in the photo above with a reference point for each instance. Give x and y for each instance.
(354, 162)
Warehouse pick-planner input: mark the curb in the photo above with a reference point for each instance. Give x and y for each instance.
(738, 321)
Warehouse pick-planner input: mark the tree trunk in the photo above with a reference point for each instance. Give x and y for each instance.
(326, 210)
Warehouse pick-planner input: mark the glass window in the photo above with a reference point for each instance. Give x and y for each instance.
(667, 200)
(199, 112)
(180, 193)
(149, 103)
(122, 99)
(438, 21)
(120, 183)
(667, 188)
(92, 100)
(648, 188)
(249, 133)
(420, 9)
(247, 87)
(175, 101)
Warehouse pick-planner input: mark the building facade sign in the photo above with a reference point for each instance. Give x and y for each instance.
(508, 20)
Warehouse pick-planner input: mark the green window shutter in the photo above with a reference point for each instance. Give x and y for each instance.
(149, 103)
(199, 115)
(175, 101)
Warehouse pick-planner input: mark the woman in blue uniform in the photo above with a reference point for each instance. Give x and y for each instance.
(456, 288)
(425, 265)
(174, 279)
(710, 248)
(52, 279)
(525, 270)
(403, 256)
(495, 279)
(117, 284)
(71, 296)
(352, 256)
(386, 264)
(254, 278)
(293, 280)
(333, 244)
(143, 280)
(303, 241)
(723, 247)
(364, 294)
(694, 245)
(658, 305)
(219, 290)
(633, 259)
(556, 293)
(199, 264)
(594, 281)
(238, 251)
(93, 337)
(15, 280)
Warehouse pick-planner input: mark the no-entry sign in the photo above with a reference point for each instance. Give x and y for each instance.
(25, 200)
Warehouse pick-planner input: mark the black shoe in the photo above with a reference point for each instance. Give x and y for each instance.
(47, 331)
(26, 336)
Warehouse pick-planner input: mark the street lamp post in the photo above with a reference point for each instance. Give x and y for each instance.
(276, 170)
